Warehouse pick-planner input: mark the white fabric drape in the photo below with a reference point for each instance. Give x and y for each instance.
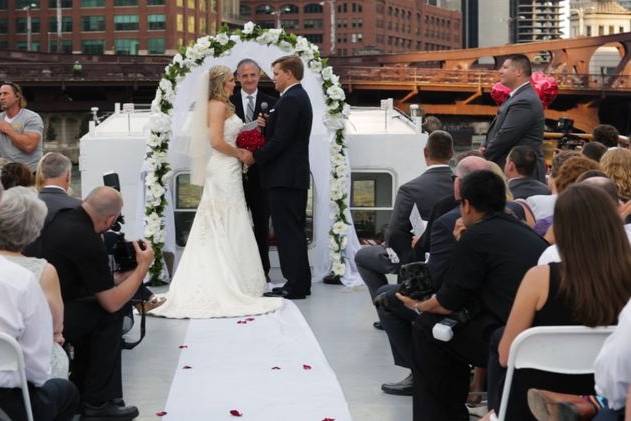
(319, 148)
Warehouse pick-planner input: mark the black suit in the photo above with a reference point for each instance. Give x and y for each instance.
(424, 191)
(284, 170)
(56, 200)
(255, 196)
(523, 188)
(519, 121)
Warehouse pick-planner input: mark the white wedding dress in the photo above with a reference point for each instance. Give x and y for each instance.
(220, 272)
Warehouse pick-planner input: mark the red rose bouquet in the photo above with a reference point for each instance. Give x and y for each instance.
(546, 87)
(252, 140)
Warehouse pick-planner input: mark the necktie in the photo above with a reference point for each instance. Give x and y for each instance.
(249, 114)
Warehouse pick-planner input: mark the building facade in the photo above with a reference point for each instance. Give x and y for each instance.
(535, 20)
(603, 17)
(109, 26)
(361, 27)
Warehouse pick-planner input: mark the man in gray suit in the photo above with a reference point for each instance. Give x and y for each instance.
(520, 165)
(374, 262)
(519, 120)
(55, 171)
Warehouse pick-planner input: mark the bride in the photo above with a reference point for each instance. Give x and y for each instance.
(220, 272)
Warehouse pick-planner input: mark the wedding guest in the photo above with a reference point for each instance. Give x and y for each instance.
(616, 163)
(594, 150)
(21, 129)
(567, 293)
(606, 134)
(520, 165)
(16, 174)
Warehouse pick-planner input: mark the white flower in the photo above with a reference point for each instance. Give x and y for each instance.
(274, 35)
(286, 46)
(333, 106)
(263, 38)
(154, 141)
(315, 65)
(307, 55)
(335, 256)
(332, 122)
(178, 59)
(166, 177)
(160, 122)
(333, 245)
(155, 104)
(346, 110)
(327, 73)
(302, 44)
(336, 93)
(203, 43)
(165, 85)
(335, 79)
(248, 28)
(235, 38)
(339, 228)
(344, 243)
(341, 170)
(222, 38)
(338, 268)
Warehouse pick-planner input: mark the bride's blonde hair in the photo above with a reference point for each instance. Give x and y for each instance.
(218, 75)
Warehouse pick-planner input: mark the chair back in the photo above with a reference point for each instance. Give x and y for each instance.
(555, 349)
(12, 359)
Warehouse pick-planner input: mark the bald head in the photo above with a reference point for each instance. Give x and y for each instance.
(607, 184)
(470, 164)
(105, 201)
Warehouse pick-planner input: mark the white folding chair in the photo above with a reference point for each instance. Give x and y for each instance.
(556, 349)
(12, 359)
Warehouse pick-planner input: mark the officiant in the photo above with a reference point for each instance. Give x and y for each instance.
(249, 102)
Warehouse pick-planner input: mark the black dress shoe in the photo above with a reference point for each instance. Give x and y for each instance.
(377, 325)
(403, 388)
(279, 289)
(283, 293)
(108, 411)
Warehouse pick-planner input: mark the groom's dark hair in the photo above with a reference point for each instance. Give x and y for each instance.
(291, 64)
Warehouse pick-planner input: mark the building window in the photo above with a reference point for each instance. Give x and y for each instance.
(156, 46)
(313, 8)
(156, 22)
(22, 45)
(290, 23)
(179, 23)
(126, 46)
(92, 3)
(156, 2)
(66, 24)
(263, 9)
(190, 24)
(4, 26)
(588, 30)
(191, 4)
(92, 23)
(314, 38)
(66, 46)
(125, 2)
(313, 23)
(267, 24)
(372, 202)
(21, 25)
(342, 8)
(601, 30)
(126, 22)
(65, 4)
(611, 30)
(621, 29)
(92, 46)
(3, 6)
(20, 4)
(245, 10)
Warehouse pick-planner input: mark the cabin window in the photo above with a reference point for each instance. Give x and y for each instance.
(188, 196)
(372, 201)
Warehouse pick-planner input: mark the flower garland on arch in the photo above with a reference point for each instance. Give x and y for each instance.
(159, 171)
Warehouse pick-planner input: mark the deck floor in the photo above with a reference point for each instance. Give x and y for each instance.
(341, 319)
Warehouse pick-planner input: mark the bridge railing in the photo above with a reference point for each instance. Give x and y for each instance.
(468, 78)
(60, 72)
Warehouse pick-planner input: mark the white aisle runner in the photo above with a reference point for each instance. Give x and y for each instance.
(268, 368)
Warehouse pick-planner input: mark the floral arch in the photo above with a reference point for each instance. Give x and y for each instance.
(337, 255)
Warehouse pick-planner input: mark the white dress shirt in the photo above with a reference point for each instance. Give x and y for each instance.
(518, 88)
(612, 369)
(244, 101)
(25, 315)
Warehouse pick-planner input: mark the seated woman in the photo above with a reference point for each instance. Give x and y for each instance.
(16, 174)
(616, 163)
(567, 293)
(22, 216)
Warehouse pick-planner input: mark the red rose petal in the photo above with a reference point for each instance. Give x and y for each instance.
(235, 413)
(183, 346)
(186, 367)
(306, 366)
(161, 413)
(241, 322)
(329, 419)
(249, 319)
(275, 368)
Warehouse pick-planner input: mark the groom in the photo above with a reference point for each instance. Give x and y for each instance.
(284, 168)
(247, 103)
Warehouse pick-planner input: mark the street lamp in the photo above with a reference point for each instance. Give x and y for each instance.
(277, 13)
(29, 29)
(332, 16)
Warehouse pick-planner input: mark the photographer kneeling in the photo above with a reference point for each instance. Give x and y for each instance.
(92, 297)
(493, 252)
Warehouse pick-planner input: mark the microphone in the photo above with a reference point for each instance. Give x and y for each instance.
(264, 106)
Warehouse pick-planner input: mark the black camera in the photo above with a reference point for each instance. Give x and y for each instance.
(122, 253)
(416, 281)
(568, 140)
